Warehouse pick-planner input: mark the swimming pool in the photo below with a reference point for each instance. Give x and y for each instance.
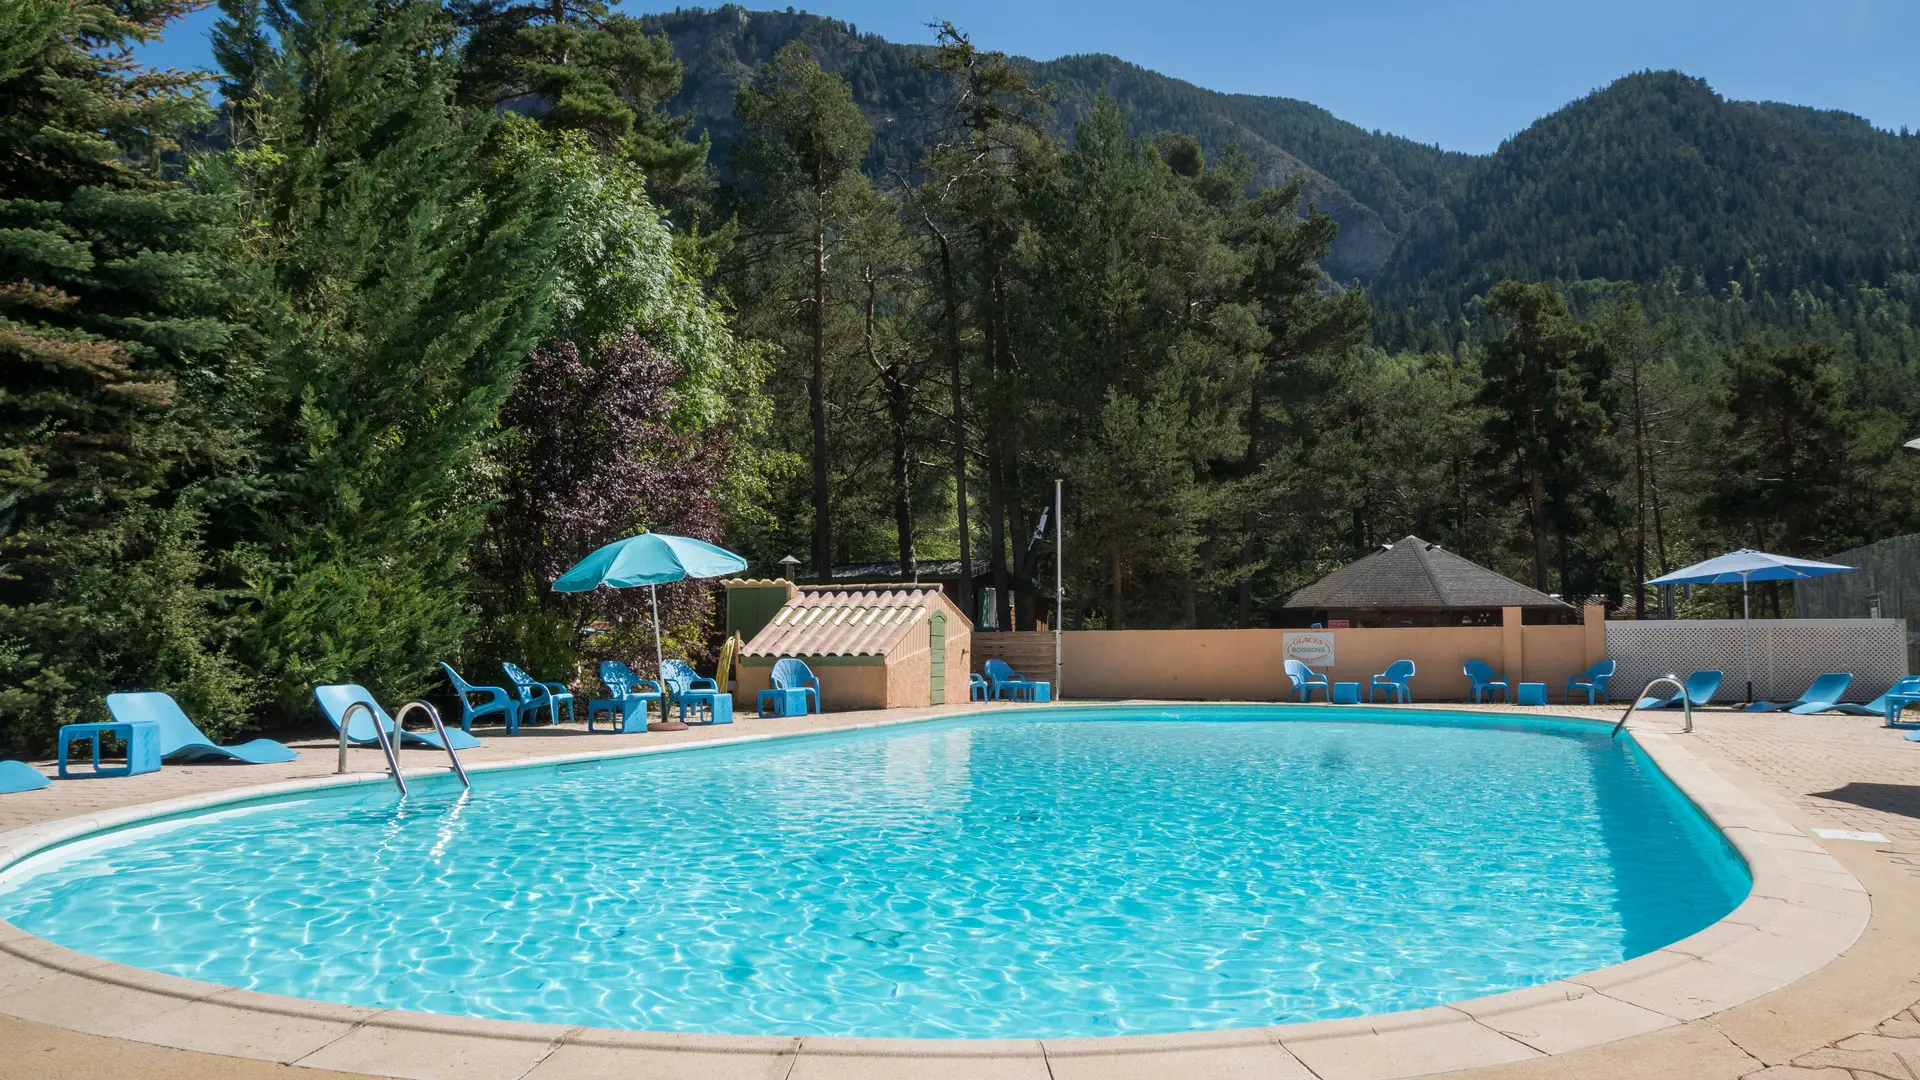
(1039, 873)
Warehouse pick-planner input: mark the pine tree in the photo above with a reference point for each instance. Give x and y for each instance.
(111, 287)
(802, 194)
(1548, 384)
(577, 67)
(403, 274)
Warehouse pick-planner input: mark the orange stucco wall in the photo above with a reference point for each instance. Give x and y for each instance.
(1247, 664)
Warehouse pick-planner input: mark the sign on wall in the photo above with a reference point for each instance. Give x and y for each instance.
(1313, 649)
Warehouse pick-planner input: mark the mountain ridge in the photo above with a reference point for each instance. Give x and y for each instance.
(1652, 174)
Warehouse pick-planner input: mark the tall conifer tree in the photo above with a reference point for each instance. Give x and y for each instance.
(110, 293)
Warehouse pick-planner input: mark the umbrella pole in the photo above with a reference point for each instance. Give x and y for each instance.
(1746, 620)
(660, 665)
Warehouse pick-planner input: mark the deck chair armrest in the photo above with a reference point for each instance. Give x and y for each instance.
(702, 684)
(557, 688)
(494, 694)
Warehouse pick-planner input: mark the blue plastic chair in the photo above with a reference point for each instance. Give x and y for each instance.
(1824, 694)
(498, 701)
(1878, 706)
(337, 699)
(534, 694)
(1004, 683)
(1701, 686)
(976, 686)
(1485, 679)
(1303, 679)
(624, 698)
(20, 776)
(692, 691)
(179, 738)
(1593, 681)
(793, 681)
(1394, 680)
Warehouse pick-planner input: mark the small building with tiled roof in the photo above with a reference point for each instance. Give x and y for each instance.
(881, 646)
(1415, 583)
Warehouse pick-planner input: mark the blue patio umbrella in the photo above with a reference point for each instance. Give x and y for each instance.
(649, 559)
(1746, 566)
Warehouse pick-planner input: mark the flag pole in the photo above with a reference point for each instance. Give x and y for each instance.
(1059, 574)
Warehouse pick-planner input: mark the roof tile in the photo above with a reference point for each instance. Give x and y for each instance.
(840, 620)
(1412, 575)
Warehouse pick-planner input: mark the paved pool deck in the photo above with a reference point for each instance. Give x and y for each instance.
(1815, 977)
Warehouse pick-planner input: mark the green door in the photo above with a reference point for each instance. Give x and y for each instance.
(937, 634)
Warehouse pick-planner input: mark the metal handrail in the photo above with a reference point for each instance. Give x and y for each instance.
(400, 720)
(390, 747)
(1686, 703)
(386, 744)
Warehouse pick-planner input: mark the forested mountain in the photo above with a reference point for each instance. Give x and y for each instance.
(1375, 186)
(1655, 176)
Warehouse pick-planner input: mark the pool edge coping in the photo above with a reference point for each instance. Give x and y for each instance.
(1805, 909)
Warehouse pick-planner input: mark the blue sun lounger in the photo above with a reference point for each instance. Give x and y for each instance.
(1824, 694)
(20, 776)
(180, 738)
(337, 699)
(1701, 686)
(1878, 706)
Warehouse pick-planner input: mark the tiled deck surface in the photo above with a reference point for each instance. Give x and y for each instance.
(1848, 1020)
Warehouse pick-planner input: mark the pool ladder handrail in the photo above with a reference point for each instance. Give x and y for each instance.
(1686, 703)
(390, 746)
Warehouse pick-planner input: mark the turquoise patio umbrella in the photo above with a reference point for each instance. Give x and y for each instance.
(1747, 566)
(650, 559)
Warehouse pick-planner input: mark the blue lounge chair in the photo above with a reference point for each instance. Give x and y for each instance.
(498, 701)
(179, 738)
(793, 682)
(336, 700)
(1824, 694)
(1394, 680)
(1485, 680)
(20, 776)
(1701, 686)
(534, 694)
(624, 698)
(1005, 683)
(1593, 681)
(1302, 679)
(701, 695)
(1878, 706)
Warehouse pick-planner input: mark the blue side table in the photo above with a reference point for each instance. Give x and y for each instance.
(1532, 693)
(1346, 693)
(1036, 691)
(142, 739)
(789, 702)
(1897, 702)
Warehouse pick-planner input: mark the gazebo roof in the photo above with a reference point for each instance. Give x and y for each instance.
(1413, 575)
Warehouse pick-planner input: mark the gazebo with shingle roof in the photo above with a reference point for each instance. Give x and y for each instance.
(1415, 583)
(884, 646)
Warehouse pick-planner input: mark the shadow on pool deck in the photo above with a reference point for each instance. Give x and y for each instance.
(1901, 799)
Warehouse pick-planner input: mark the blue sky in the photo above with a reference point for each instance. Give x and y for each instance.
(1463, 75)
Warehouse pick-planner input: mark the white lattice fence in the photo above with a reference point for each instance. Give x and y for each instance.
(1787, 653)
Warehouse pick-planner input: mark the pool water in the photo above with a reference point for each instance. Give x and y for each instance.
(1047, 873)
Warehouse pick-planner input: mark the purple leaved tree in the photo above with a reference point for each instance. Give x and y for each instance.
(593, 458)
